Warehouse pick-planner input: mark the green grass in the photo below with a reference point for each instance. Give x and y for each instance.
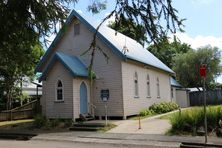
(7, 123)
(141, 117)
(168, 116)
(191, 121)
(107, 128)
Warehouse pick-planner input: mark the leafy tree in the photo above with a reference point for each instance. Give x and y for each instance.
(130, 29)
(22, 24)
(166, 50)
(187, 65)
(15, 67)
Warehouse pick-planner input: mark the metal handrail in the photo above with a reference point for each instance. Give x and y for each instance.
(92, 107)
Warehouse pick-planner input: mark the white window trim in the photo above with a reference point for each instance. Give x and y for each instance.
(56, 88)
(136, 85)
(148, 86)
(158, 87)
(172, 92)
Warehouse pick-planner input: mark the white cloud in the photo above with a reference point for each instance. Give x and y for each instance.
(52, 36)
(111, 19)
(200, 41)
(80, 11)
(198, 2)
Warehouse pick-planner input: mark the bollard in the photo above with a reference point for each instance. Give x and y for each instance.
(179, 111)
(139, 123)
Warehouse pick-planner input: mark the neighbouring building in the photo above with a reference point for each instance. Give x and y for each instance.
(179, 94)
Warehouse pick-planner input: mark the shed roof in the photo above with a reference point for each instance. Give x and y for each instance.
(116, 42)
(72, 63)
(174, 83)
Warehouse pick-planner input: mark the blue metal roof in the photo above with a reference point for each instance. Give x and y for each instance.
(72, 63)
(173, 82)
(116, 42)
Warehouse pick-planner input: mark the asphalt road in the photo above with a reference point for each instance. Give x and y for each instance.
(53, 144)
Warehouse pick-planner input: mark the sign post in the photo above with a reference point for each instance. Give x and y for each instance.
(106, 114)
(203, 68)
(104, 94)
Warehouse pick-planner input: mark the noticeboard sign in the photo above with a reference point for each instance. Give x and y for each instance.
(104, 94)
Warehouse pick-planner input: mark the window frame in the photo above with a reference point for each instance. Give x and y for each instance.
(158, 87)
(59, 88)
(172, 92)
(136, 85)
(148, 92)
(76, 30)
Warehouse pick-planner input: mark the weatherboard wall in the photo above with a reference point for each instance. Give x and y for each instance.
(53, 108)
(132, 104)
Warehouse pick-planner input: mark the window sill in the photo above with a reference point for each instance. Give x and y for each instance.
(59, 101)
(158, 97)
(149, 97)
(136, 97)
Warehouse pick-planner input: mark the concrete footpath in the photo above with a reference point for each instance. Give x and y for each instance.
(123, 139)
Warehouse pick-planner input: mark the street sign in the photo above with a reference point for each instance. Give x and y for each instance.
(203, 70)
(104, 94)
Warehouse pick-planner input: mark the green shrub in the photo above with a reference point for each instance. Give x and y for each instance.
(146, 112)
(54, 122)
(39, 121)
(159, 108)
(163, 107)
(68, 122)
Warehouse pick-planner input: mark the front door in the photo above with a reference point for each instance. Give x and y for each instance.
(83, 99)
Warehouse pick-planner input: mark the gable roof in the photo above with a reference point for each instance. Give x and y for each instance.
(174, 83)
(72, 63)
(115, 41)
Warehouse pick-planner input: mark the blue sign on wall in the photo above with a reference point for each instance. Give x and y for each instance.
(104, 94)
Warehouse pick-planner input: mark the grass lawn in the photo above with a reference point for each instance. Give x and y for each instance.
(7, 123)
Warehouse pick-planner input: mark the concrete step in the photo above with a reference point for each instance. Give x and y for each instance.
(89, 118)
(75, 128)
(86, 117)
(89, 125)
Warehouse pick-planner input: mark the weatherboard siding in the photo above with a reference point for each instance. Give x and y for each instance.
(55, 109)
(133, 105)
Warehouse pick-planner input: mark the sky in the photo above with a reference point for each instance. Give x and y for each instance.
(203, 24)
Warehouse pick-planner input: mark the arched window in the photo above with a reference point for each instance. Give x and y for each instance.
(59, 91)
(148, 85)
(158, 87)
(171, 92)
(136, 87)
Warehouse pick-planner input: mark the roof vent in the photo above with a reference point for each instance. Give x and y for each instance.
(125, 49)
